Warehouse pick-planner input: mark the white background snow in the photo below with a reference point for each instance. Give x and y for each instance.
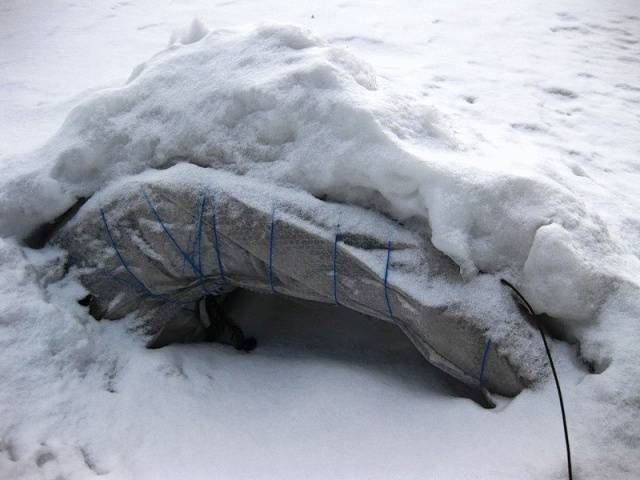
(547, 90)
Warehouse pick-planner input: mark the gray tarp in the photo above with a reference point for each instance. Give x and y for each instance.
(156, 243)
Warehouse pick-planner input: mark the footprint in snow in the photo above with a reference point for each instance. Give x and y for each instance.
(561, 92)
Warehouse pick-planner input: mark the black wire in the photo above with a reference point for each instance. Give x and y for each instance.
(553, 369)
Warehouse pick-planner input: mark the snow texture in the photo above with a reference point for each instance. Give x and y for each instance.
(512, 146)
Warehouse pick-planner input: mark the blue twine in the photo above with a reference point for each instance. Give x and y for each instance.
(271, 238)
(335, 270)
(134, 286)
(386, 278)
(485, 355)
(184, 261)
(194, 267)
(119, 255)
(216, 244)
(197, 269)
(193, 242)
(155, 296)
(197, 249)
(198, 242)
(139, 284)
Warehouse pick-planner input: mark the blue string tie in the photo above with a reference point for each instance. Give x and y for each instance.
(216, 241)
(197, 270)
(175, 243)
(271, 239)
(485, 356)
(335, 269)
(138, 285)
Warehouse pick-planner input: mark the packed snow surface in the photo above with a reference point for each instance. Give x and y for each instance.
(508, 132)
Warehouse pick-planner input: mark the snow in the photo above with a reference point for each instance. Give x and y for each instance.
(323, 395)
(195, 32)
(509, 129)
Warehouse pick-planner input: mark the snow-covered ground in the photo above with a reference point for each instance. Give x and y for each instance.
(535, 94)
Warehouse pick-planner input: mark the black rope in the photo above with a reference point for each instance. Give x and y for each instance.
(553, 369)
(386, 281)
(271, 239)
(335, 267)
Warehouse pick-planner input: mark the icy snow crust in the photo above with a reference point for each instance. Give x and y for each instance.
(282, 106)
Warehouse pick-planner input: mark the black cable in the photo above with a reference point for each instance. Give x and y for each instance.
(553, 369)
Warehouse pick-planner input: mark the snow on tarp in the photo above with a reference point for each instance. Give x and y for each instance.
(283, 106)
(157, 243)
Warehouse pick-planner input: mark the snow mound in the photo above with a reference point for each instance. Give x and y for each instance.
(196, 31)
(279, 104)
